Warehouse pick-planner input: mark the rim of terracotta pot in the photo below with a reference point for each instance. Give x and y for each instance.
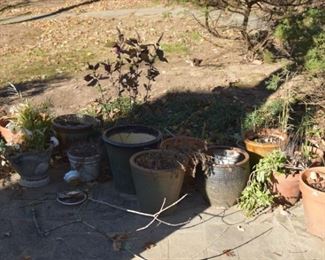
(308, 190)
(265, 131)
(225, 147)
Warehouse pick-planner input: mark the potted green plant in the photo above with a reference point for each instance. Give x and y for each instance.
(31, 158)
(312, 186)
(275, 178)
(265, 129)
(158, 175)
(131, 74)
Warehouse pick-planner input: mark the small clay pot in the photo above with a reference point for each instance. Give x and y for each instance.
(313, 203)
(287, 186)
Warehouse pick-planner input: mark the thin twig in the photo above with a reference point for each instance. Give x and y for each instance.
(36, 224)
(155, 216)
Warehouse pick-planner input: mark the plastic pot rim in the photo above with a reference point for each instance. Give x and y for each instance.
(119, 129)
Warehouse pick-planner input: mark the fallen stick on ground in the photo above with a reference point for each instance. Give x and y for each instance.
(154, 216)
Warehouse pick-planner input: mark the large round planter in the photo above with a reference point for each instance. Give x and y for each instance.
(32, 167)
(153, 186)
(85, 159)
(225, 182)
(188, 146)
(259, 150)
(73, 128)
(121, 143)
(313, 203)
(287, 186)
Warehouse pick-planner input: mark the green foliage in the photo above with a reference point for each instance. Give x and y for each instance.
(268, 57)
(304, 37)
(257, 194)
(175, 48)
(2, 147)
(35, 122)
(273, 83)
(315, 57)
(111, 111)
(266, 116)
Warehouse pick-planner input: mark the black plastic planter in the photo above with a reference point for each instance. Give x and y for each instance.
(121, 143)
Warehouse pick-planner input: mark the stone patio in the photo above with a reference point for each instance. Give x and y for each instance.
(92, 230)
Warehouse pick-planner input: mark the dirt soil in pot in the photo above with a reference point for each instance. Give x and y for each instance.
(316, 181)
(84, 150)
(159, 161)
(266, 139)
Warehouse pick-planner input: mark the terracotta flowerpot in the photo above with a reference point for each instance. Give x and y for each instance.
(9, 136)
(259, 150)
(287, 186)
(313, 202)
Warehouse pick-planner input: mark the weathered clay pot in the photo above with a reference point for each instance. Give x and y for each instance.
(154, 185)
(32, 167)
(9, 136)
(259, 150)
(313, 203)
(287, 186)
(225, 182)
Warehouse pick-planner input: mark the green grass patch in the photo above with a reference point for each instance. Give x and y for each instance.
(175, 48)
(39, 64)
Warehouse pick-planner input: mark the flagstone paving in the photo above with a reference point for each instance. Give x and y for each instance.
(211, 233)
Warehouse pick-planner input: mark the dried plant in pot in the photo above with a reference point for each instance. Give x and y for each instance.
(158, 175)
(31, 158)
(312, 186)
(192, 148)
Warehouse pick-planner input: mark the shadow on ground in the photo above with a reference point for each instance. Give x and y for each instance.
(28, 89)
(33, 224)
(42, 16)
